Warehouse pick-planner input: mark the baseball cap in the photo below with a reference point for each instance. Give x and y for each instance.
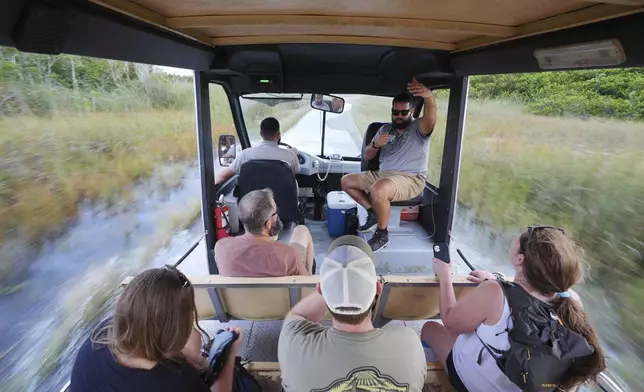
(348, 276)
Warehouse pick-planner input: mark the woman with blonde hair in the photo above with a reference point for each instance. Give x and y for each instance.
(150, 343)
(477, 328)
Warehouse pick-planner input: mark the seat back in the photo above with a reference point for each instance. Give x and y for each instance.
(225, 298)
(372, 164)
(275, 175)
(413, 297)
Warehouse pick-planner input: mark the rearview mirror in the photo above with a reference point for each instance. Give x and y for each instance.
(227, 150)
(327, 103)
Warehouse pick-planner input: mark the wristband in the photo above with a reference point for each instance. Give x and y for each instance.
(373, 144)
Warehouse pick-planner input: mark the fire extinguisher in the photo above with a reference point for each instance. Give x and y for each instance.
(222, 228)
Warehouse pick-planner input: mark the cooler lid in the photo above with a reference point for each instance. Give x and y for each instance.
(339, 200)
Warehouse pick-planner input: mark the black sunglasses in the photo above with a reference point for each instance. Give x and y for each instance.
(532, 229)
(395, 112)
(174, 270)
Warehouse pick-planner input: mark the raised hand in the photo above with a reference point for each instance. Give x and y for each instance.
(418, 89)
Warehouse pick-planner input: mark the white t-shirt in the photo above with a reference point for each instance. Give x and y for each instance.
(266, 150)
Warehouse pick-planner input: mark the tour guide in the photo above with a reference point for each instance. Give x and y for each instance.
(404, 152)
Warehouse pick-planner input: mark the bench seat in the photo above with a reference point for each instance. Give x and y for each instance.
(224, 298)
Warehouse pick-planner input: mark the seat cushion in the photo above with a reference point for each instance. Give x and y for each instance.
(416, 201)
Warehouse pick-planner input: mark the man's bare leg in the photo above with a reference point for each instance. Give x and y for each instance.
(352, 185)
(302, 236)
(382, 192)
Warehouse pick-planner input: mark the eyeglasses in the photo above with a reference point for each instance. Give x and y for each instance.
(273, 214)
(532, 229)
(182, 278)
(395, 112)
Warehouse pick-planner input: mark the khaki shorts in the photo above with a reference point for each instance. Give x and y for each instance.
(301, 251)
(407, 185)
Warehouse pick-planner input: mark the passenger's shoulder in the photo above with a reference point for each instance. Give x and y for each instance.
(297, 325)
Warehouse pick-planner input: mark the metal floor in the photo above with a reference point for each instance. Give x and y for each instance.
(409, 251)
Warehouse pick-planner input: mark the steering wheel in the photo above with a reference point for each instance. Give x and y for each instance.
(284, 144)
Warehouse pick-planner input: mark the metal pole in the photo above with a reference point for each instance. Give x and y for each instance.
(448, 186)
(206, 165)
(323, 131)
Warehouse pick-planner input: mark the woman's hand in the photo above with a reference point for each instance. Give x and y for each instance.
(479, 276)
(240, 337)
(441, 268)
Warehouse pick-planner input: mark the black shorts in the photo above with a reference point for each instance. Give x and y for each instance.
(454, 379)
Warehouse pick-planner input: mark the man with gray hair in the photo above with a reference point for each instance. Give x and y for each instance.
(257, 252)
(352, 354)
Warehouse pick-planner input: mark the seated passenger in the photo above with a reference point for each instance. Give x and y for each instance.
(149, 344)
(404, 154)
(267, 149)
(547, 264)
(257, 252)
(352, 354)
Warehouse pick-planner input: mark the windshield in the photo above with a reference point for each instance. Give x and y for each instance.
(301, 125)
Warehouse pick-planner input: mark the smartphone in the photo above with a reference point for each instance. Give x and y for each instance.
(441, 251)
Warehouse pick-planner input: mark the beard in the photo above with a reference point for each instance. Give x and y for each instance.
(276, 229)
(400, 123)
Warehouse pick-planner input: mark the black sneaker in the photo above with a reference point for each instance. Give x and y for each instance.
(379, 240)
(370, 224)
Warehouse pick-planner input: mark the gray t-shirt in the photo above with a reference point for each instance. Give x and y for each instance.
(266, 150)
(408, 152)
(319, 359)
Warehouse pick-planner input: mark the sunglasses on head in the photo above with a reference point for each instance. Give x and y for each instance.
(182, 278)
(395, 112)
(532, 229)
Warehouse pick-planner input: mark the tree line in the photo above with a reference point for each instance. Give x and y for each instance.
(41, 85)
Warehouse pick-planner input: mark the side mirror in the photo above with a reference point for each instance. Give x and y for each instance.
(327, 103)
(227, 150)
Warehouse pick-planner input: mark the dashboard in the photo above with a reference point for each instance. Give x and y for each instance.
(311, 164)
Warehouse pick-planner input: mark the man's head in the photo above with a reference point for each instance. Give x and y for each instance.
(258, 213)
(402, 110)
(269, 129)
(348, 280)
(318, 98)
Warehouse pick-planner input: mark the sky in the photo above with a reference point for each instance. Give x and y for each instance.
(177, 71)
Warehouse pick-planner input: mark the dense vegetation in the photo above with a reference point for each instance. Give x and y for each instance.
(614, 93)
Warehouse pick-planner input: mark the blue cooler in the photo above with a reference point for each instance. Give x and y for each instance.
(337, 204)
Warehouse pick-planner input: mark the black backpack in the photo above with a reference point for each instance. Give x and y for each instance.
(542, 348)
(218, 350)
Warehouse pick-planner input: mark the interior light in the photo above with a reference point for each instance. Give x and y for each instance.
(264, 81)
(590, 54)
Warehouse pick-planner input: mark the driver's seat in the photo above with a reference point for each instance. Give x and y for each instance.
(374, 165)
(277, 176)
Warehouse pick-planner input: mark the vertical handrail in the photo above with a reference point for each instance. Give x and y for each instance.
(450, 165)
(206, 164)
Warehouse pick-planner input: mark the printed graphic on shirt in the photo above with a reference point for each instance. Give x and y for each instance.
(365, 379)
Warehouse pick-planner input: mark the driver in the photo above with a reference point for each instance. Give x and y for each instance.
(318, 103)
(267, 149)
(404, 152)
